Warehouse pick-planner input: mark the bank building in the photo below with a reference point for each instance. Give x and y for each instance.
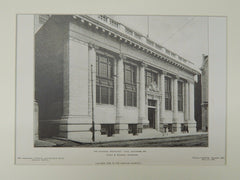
(93, 73)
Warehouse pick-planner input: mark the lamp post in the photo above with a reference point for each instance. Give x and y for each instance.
(93, 126)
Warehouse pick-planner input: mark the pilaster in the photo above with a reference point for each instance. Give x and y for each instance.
(191, 122)
(75, 85)
(76, 56)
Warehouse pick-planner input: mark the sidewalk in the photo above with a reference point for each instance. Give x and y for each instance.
(149, 134)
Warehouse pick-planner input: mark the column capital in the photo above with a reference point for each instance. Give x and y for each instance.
(163, 72)
(176, 77)
(187, 81)
(122, 56)
(93, 46)
(190, 81)
(143, 64)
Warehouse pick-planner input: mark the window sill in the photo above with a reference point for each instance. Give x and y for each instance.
(131, 107)
(106, 105)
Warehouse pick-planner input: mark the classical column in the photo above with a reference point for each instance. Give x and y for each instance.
(191, 122)
(186, 104)
(120, 93)
(157, 121)
(176, 125)
(162, 103)
(141, 97)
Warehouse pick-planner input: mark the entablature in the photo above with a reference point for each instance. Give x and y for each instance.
(121, 33)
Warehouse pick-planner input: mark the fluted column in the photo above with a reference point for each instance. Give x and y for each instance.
(120, 93)
(162, 103)
(141, 97)
(176, 125)
(191, 122)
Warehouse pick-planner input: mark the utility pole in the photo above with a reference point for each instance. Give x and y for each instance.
(93, 126)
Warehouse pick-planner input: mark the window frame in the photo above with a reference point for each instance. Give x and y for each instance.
(180, 96)
(168, 93)
(130, 87)
(104, 81)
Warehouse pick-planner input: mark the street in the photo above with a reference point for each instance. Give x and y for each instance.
(181, 141)
(189, 141)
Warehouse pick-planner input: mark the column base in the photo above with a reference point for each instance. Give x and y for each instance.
(77, 127)
(162, 128)
(192, 127)
(139, 128)
(120, 128)
(116, 128)
(176, 128)
(165, 128)
(205, 129)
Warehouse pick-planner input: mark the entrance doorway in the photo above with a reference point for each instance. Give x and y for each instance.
(151, 117)
(152, 112)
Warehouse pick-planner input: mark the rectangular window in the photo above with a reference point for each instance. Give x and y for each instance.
(130, 86)
(168, 96)
(104, 80)
(180, 96)
(107, 129)
(151, 102)
(150, 78)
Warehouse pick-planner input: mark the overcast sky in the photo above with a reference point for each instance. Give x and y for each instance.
(184, 35)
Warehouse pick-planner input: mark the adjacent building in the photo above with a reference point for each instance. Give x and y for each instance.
(95, 69)
(204, 82)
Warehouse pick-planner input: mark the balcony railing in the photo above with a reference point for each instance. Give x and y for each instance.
(122, 28)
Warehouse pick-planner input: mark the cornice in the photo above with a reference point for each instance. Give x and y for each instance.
(124, 38)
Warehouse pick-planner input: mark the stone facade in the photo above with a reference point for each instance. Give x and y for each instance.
(67, 49)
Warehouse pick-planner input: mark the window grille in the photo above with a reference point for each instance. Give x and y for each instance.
(180, 96)
(104, 80)
(168, 96)
(130, 87)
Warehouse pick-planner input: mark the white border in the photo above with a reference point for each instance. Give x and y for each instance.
(27, 154)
